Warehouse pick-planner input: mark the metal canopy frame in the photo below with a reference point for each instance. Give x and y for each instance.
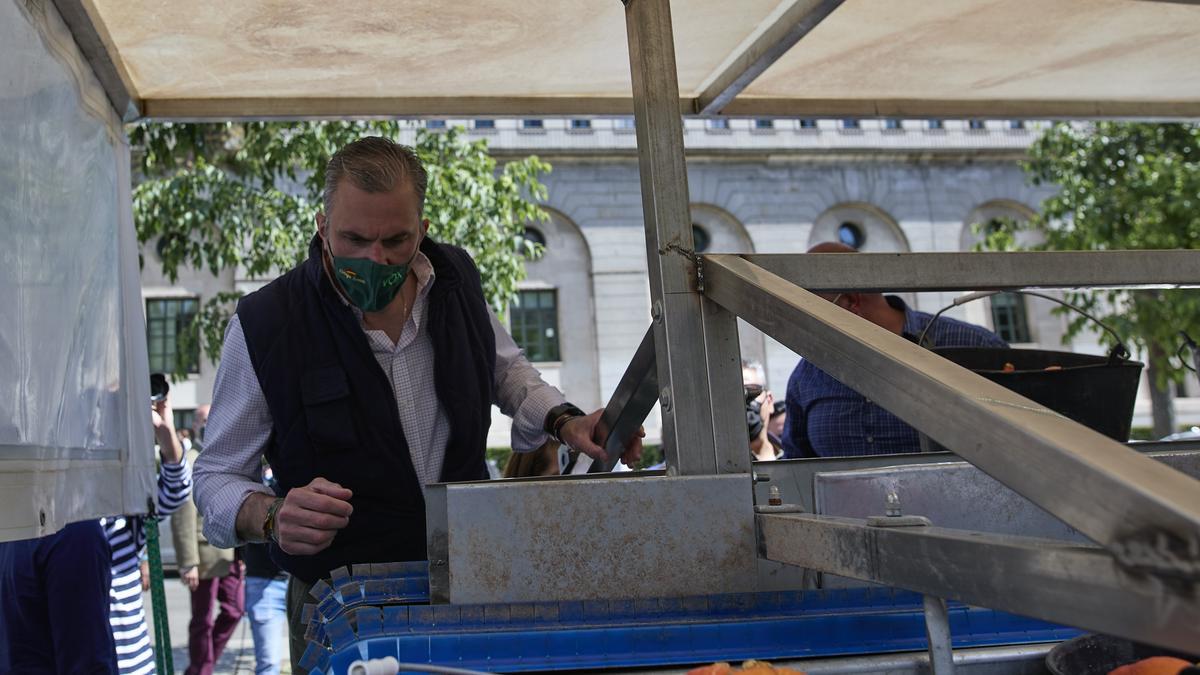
(732, 86)
(1146, 516)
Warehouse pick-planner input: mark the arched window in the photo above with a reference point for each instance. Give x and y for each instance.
(851, 234)
(860, 226)
(700, 238)
(1010, 316)
(531, 235)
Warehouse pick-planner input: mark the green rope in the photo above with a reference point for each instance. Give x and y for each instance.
(163, 658)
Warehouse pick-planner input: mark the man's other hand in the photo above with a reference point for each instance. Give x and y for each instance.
(311, 516)
(580, 434)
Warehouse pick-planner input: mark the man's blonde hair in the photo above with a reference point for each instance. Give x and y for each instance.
(375, 164)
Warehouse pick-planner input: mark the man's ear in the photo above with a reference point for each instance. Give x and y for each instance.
(321, 227)
(853, 302)
(424, 226)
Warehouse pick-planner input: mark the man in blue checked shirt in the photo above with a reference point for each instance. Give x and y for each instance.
(825, 418)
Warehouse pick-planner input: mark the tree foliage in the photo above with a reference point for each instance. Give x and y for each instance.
(1122, 186)
(245, 194)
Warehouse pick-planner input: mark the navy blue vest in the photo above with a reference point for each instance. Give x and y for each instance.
(334, 414)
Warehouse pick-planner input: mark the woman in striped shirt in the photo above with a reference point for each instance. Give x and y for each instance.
(126, 535)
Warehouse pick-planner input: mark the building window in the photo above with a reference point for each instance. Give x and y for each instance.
(764, 124)
(936, 124)
(184, 420)
(167, 322)
(581, 124)
(849, 124)
(851, 234)
(1010, 318)
(717, 123)
(532, 235)
(532, 124)
(975, 125)
(485, 124)
(626, 123)
(1016, 124)
(808, 124)
(534, 319)
(891, 124)
(701, 239)
(435, 124)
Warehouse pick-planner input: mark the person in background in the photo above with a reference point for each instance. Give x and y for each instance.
(266, 601)
(127, 537)
(54, 603)
(825, 418)
(199, 422)
(776, 424)
(213, 576)
(760, 404)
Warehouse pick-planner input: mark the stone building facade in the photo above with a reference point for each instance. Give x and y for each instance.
(765, 186)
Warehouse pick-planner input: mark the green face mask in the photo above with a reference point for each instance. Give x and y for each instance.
(369, 285)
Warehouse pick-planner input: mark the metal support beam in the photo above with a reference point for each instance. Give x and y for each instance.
(631, 402)
(684, 372)
(1137, 507)
(982, 271)
(1064, 583)
(787, 27)
(96, 46)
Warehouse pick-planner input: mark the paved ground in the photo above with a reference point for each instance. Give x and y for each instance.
(239, 653)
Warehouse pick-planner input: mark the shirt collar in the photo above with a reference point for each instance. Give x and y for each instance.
(913, 324)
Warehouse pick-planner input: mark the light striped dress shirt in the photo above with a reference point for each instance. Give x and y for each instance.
(239, 423)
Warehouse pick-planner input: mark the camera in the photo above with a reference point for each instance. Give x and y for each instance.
(158, 387)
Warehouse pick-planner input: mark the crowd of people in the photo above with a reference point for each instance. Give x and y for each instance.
(344, 388)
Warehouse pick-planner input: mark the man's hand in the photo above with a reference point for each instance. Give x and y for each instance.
(190, 578)
(144, 568)
(311, 516)
(580, 433)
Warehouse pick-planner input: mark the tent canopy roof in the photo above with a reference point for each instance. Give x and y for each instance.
(916, 58)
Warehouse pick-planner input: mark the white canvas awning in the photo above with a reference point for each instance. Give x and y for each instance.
(911, 58)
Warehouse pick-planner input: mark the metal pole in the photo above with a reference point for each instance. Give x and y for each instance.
(937, 631)
(685, 369)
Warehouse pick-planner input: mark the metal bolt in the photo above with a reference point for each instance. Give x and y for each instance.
(893, 505)
(665, 398)
(760, 477)
(773, 496)
(656, 311)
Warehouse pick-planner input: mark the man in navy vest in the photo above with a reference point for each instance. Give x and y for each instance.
(362, 375)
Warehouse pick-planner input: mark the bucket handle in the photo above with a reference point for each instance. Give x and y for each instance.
(1117, 354)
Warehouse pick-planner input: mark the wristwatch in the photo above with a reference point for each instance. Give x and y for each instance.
(270, 529)
(558, 416)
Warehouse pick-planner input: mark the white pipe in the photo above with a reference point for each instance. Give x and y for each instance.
(388, 665)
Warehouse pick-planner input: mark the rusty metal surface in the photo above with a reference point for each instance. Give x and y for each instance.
(590, 538)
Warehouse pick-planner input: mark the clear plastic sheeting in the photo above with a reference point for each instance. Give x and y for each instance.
(66, 441)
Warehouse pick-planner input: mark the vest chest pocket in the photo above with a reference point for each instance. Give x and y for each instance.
(326, 396)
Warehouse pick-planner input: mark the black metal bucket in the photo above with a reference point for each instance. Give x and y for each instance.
(1099, 654)
(1096, 391)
